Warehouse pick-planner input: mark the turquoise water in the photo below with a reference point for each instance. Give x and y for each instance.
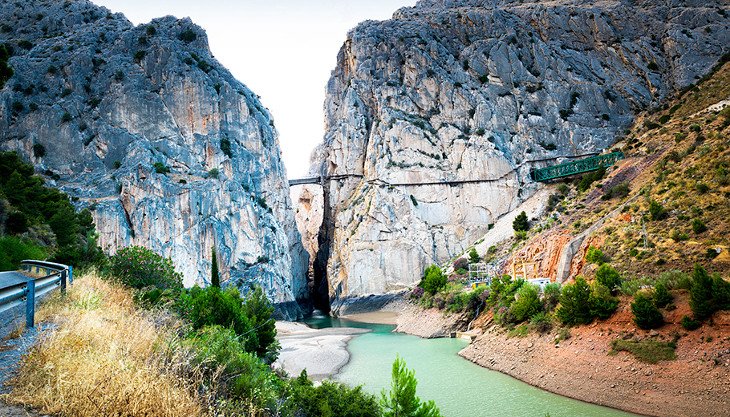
(459, 387)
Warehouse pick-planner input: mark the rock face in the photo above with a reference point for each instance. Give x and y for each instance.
(458, 91)
(142, 125)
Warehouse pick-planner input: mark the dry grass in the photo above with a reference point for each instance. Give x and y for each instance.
(105, 357)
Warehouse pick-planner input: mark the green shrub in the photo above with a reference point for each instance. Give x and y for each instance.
(690, 324)
(587, 179)
(551, 296)
(225, 145)
(402, 401)
(527, 303)
(700, 294)
(521, 235)
(617, 191)
(161, 168)
(601, 304)
(214, 173)
(15, 249)
(187, 36)
(595, 255)
(646, 314)
(698, 226)
(259, 311)
(520, 223)
(662, 297)
(433, 279)
(541, 322)
(215, 278)
(474, 256)
(676, 280)
(609, 277)
(139, 56)
(66, 117)
(139, 267)
(574, 307)
(657, 211)
(244, 377)
(328, 399)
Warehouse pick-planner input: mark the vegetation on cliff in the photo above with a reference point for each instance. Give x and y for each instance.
(39, 222)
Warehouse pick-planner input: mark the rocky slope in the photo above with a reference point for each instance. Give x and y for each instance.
(144, 126)
(475, 90)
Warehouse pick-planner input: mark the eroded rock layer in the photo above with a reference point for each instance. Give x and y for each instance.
(472, 93)
(142, 125)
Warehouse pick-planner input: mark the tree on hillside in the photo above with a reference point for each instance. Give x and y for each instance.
(646, 315)
(474, 256)
(259, 311)
(574, 306)
(402, 401)
(433, 279)
(700, 294)
(520, 223)
(215, 279)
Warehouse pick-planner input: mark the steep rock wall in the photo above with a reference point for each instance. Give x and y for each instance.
(107, 101)
(475, 90)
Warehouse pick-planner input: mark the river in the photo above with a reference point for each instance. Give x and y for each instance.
(459, 387)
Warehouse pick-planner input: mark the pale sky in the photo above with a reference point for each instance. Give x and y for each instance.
(283, 50)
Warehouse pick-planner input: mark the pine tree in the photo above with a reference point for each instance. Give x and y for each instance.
(402, 401)
(215, 279)
(520, 223)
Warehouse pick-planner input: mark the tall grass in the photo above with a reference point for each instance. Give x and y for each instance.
(103, 356)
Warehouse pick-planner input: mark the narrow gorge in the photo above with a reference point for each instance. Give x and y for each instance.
(435, 118)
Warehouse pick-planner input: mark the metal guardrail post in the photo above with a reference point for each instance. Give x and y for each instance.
(70, 275)
(30, 304)
(63, 282)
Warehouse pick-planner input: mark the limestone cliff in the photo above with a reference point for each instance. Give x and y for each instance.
(474, 93)
(142, 125)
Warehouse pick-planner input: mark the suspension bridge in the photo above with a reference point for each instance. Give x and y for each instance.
(589, 162)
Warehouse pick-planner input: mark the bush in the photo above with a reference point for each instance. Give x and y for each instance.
(39, 151)
(433, 279)
(587, 179)
(609, 277)
(690, 324)
(225, 144)
(521, 235)
(698, 226)
(617, 191)
(214, 173)
(551, 296)
(402, 401)
(595, 255)
(15, 249)
(662, 297)
(700, 294)
(139, 267)
(473, 256)
(574, 307)
(601, 303)
(243, 375)
(657, 211)
(187, 36)
(520, 223)
(328, 399)
(259, 311)
(527, 303)
(541, 322)
(646, 315)
(461, 263)
(161, 168)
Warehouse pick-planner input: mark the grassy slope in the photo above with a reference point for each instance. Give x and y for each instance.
(106, 357)
(669, 164)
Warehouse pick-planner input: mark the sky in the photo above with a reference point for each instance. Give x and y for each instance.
(283, 50)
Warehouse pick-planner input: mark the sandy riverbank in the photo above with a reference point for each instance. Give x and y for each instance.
(322, 352)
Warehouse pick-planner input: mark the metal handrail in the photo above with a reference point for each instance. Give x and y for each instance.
(56, 275)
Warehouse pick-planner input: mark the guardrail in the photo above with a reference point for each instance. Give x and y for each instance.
(52, 275)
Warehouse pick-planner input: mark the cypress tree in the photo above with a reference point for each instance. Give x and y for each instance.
(215, 279)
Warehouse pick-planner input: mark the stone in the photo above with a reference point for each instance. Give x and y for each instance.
(116, 106)
(432, 119)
